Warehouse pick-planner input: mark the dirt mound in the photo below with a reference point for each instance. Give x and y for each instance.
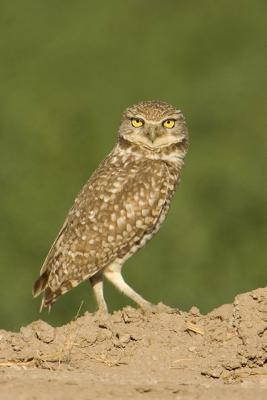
(164, 353)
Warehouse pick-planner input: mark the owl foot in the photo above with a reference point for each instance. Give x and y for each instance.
(102, 318)
(160, 308)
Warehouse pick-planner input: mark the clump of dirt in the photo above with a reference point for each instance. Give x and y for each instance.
(163, 352)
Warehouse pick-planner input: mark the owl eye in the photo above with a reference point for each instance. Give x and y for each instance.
(137, 122)
(169, 123)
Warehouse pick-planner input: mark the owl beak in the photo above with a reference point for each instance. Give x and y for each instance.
(152, 133)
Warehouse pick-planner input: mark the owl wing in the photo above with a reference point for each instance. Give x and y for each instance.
(114, 214)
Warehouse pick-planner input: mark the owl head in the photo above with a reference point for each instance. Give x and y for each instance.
(153, 124)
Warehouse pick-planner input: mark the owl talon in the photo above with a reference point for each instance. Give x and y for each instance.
(102, 319)
(161, 308)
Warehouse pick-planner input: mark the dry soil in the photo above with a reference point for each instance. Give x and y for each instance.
(161, 354)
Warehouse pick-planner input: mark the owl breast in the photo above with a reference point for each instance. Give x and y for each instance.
(151, 202)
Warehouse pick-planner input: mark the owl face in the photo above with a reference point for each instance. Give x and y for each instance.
(153, 124)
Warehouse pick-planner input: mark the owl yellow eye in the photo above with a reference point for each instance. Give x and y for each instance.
(169, 123)
(137, 122)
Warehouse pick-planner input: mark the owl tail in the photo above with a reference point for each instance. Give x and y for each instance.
(41, 286)
(49, 295)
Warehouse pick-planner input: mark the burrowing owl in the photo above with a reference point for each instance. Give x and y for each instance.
(121, 206)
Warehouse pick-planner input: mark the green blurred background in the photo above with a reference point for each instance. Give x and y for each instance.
(67, 71)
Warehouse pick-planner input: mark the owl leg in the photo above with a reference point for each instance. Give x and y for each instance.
(97, 285)
(113, 274)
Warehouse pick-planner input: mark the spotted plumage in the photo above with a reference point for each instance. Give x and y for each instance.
(121, 206)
